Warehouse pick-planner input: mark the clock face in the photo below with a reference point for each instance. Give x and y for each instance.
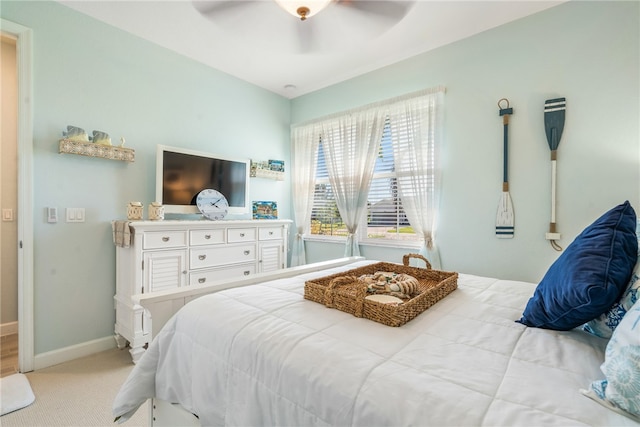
(212, 204)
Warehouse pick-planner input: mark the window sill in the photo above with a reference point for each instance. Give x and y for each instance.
(412, 244)
(326, 239)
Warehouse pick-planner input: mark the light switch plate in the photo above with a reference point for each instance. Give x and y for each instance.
(75, 214)
(7, 214)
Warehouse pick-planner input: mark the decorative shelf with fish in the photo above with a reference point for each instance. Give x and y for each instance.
(93, 149)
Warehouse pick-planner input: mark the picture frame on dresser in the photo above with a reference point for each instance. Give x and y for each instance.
(265, 210)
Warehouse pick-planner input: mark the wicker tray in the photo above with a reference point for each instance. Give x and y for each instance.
(344, 292)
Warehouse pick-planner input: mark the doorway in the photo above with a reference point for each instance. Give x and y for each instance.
(9, 202)
(24, 212)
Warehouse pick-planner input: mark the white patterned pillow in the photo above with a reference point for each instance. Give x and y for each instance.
(604, 325)
(620, 390)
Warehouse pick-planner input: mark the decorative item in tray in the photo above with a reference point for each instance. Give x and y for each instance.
(387, 293)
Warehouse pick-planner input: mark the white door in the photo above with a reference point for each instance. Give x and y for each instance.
(25, 209)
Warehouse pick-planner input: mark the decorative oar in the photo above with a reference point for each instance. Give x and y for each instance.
(554, 111)
(505, 217)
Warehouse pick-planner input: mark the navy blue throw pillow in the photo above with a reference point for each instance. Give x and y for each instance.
(589, 276)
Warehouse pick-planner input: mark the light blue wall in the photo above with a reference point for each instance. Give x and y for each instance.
(91, 75)
(587, 52)
(94, 76)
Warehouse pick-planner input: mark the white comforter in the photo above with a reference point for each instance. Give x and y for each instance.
(262, 355)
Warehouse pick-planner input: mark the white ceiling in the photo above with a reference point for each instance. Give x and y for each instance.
(256, 41)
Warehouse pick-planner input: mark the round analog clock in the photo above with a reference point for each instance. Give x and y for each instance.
(212, 204)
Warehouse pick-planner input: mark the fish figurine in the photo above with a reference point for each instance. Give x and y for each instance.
(101, 138)
(74, 133)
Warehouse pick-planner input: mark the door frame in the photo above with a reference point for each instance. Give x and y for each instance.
(24, 60)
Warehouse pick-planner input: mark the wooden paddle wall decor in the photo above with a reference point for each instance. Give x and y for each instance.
(505, 216)
(554, 112)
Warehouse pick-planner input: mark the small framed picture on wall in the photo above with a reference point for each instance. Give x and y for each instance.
(276, 165)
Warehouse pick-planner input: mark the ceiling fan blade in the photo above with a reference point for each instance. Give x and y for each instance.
(207, 7)
(386, 10)
(306, 39)
(313, 36)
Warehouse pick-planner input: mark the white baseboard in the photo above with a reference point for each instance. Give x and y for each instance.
(8, 328)
(55, 357)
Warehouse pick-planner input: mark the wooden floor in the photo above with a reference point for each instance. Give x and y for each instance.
(8, 355)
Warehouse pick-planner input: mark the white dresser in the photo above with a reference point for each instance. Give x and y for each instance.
(167, 255)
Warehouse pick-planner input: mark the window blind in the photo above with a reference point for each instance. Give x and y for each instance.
(386, 220)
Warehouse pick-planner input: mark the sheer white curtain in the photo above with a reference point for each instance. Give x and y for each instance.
(416, 126)
(351, 143)
(304, 152)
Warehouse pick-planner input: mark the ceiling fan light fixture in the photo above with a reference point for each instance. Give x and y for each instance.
(303, 9)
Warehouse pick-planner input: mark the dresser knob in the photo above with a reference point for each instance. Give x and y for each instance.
(165, 239)
(246, 273)
(207, 236)
(271, 233)
(247, 252)
(201, 257)
(241, 234)
(202, 280)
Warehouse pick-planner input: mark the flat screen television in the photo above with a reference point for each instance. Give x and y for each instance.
(182, 173)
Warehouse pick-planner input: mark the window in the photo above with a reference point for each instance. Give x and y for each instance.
(386, 220)
(379, 163)
(325, 218)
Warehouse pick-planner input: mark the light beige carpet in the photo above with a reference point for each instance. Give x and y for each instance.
(77, 393)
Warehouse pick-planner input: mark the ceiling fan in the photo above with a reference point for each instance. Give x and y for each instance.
(316, 25)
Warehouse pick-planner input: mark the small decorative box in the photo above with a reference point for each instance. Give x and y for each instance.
(134, 210)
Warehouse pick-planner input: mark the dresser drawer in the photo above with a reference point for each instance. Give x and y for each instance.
(165, 239)
(215, 256)
(206, 237)
(207, 276)
(270, 233)
(236, 235)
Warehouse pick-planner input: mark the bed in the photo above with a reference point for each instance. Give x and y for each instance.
(260, 354)
(493, 352)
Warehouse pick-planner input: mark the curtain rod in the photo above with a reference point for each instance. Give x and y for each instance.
(377, 104)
